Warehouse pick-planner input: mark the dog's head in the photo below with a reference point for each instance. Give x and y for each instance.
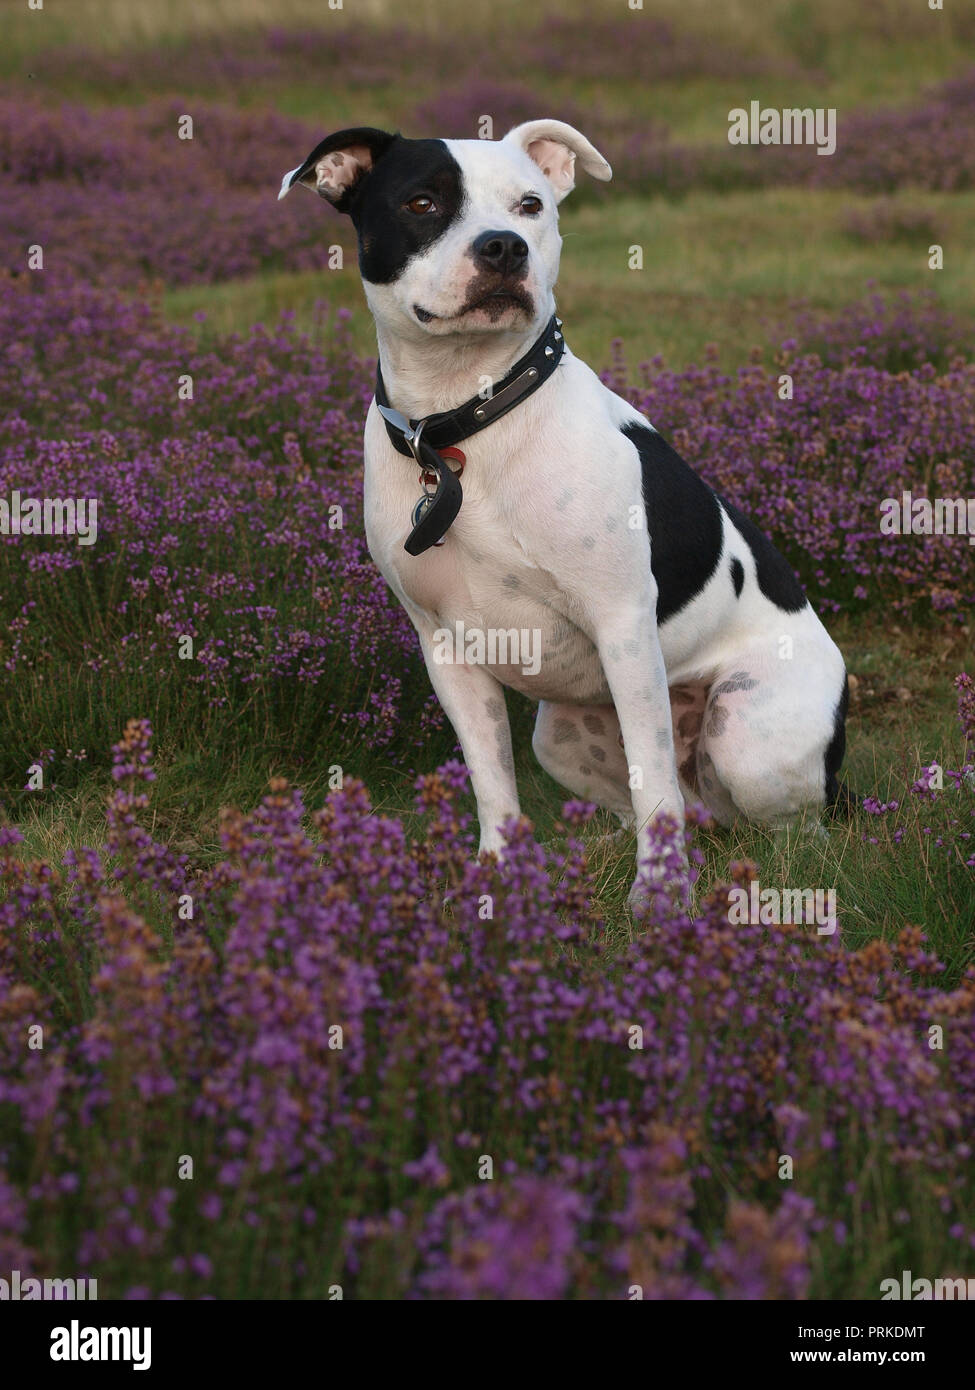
(455, 236)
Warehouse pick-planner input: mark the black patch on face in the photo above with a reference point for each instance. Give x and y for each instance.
(737, 575)
(389, 234)
(837, 745)
(775, 577)
(683, 517)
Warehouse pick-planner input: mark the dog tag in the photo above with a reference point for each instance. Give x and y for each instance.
(420, 511)
(434, 512)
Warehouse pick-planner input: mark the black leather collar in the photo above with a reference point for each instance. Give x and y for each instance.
(451, 426)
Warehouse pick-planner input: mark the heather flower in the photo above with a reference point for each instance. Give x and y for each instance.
(510, 1242)
(966, 706)
(339, 985)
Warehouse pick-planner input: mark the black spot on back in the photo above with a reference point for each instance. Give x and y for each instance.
(389, 235)
(683, 517)
(837, 744)
(737, 575)
(775, 577)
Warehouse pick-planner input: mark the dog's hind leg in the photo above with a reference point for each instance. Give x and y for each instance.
(772, 737)
(579, 745)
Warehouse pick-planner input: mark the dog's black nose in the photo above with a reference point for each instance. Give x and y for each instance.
(505, 252)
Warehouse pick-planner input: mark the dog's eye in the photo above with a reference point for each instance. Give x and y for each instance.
(531, 205)
(421, 204)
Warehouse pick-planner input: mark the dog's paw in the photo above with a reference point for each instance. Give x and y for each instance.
(661, 888)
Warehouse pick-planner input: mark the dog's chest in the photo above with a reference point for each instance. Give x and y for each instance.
(506, 611)
(495, 592)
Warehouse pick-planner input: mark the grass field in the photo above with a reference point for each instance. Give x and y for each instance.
(725, 270)
(726, 273)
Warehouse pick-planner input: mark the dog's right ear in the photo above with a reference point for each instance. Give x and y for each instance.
(337, 166)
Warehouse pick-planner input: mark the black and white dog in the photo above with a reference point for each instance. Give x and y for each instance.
(679, 656)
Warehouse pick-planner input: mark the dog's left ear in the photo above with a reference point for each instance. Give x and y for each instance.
(337, 166)
(555, 146)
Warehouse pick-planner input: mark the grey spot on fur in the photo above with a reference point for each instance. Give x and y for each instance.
(564, 731)
(717, 721)
(594, 724)
(495, 709)
(631, 648)
(611, 523)
(739, 680)
(597, 754)
(662, 740)
(505, 756)
(585, 769)
(511, 581)
(613, 652)
(703, 764)
(589, 542)
(564, 500)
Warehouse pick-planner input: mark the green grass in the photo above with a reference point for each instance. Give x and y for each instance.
(717, 268)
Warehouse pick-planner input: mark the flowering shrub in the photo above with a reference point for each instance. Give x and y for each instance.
(966, 706)
(930, 145)
(454, 113)
(341, 1027)
(637, 47)
(897, 333)
(88, 187)
(234, 518)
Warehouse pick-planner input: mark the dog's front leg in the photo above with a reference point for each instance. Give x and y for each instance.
(629, 649)
(474, 703)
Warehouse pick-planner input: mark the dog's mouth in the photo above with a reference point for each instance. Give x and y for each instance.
(494, 303)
